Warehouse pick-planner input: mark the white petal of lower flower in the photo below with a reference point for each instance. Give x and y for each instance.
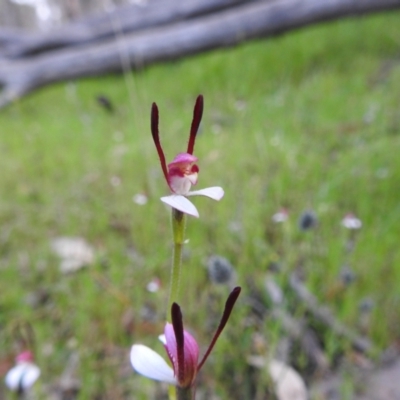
(30, 376)
(215, 193)
(147, 362)
(181, 203)
(23, 376)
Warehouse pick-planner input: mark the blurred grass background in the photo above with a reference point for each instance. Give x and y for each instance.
(309, 120)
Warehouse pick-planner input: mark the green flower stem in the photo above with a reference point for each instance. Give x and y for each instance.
(184, 394)
(178, 233)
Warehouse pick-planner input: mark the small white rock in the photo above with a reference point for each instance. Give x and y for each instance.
(75, 253)
(289, 385)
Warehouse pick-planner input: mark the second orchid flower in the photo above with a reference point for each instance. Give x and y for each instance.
(182, 350)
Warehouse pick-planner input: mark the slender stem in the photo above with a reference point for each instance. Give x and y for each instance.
(184, 393)
(178, 233)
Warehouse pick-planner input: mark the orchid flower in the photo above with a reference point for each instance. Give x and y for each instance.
(182, 172)
(350, 221)
(281, 216)
(24, 374)
(182, 350)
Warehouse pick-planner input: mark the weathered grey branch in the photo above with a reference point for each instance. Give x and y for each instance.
(11, 36)
(325, 315)
(257, 19)
(294, 327)
(123, 20)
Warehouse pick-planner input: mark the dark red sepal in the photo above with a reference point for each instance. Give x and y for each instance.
(230, 302)
(177, 323)
(197, 115)
(156, 138)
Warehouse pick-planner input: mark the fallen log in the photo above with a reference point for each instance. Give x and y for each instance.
(123, 20)
(230, 27)
(11, 36)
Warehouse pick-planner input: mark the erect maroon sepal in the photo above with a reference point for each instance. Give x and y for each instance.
(177, 323)
(156, 138)
(230, 302)
(197, 115)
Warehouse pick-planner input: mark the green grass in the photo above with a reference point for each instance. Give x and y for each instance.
(309, 120)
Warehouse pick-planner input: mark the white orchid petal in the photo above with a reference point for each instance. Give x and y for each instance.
(30, 376)
(215, 193)
(147, 362)
(181, 203)
(23, 375)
